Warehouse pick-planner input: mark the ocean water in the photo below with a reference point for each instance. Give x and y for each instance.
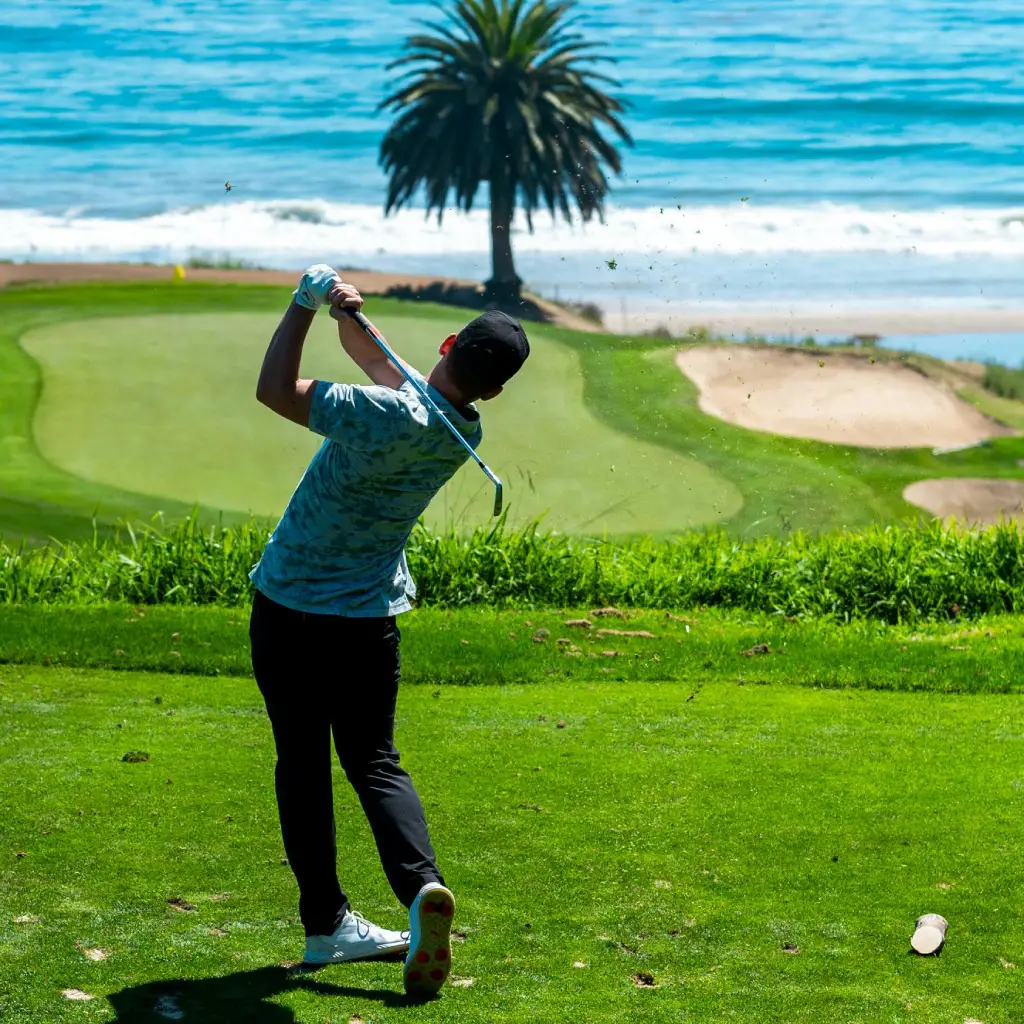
(818, 152)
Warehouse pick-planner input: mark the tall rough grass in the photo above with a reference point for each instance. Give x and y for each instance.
(895, 574)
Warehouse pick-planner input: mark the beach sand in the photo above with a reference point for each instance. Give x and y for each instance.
(780, 323)
(731, 321)
(369, 282)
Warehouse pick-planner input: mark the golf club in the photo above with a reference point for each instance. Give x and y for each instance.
(337, 312)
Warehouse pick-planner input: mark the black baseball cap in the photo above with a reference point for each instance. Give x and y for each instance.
(490, 350)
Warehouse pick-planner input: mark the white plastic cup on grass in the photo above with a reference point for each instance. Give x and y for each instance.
(929, 934)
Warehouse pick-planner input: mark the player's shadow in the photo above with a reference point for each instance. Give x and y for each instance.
(239, 998)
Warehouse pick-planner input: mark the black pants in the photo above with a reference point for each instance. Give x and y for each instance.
(324, 674)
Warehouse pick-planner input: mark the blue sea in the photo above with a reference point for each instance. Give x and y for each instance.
(852, 153)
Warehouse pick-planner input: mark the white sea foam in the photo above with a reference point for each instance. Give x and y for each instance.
(283, 233)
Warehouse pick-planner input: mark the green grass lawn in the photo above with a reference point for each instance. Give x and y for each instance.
(178, 417)
(760, 853)
(479, 647)
(37, 499)
(131, 400)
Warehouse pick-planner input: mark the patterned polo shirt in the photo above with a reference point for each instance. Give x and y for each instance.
(339, 548)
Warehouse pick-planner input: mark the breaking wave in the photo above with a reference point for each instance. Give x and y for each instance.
(286, 232)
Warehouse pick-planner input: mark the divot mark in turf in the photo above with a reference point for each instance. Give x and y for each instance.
(458, 982)
(136, 757)
(789, 947)
(76, 994)
(26, 919)
(643, 979)
(180, 905)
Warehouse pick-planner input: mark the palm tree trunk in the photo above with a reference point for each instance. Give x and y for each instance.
(505, 285)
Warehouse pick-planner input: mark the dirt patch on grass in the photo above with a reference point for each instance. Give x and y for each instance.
(840, 399)
(970, 500)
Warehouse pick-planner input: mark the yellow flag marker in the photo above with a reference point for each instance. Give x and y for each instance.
(179, 272)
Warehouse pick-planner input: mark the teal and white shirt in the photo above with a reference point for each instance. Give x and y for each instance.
(339, 548)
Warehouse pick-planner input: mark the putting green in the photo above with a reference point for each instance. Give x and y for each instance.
(164, 405)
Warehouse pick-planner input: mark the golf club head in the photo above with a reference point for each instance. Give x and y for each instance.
(498, 497)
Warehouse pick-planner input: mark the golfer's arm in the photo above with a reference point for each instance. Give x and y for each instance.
(279, 387)
(365, 354)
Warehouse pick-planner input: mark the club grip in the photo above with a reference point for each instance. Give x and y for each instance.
(339, 314)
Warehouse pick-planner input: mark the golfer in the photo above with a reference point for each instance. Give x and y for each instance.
(332, 580)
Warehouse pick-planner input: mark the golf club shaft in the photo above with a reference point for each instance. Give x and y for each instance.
(382, 344)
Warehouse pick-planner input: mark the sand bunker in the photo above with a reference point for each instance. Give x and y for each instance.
(973, 501)
(834, 398)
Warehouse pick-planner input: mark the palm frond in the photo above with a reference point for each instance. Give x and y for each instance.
(503, 91)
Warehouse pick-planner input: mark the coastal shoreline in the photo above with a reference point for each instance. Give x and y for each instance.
(369, 282)
(733, 321)
(778, 322)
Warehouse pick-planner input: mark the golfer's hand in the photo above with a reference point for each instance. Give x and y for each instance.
(344, 299)
(316, 285)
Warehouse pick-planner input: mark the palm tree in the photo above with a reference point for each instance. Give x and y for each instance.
(500, 94)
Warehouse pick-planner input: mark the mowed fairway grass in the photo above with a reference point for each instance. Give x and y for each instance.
(619, 852)
(165, 405)
(123, 401)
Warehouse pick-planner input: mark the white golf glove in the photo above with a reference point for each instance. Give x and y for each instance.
(315, 286)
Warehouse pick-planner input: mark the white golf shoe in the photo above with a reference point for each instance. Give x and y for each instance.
(430, 942)
(354, 939)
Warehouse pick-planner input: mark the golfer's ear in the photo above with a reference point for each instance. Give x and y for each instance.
(447, 344)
